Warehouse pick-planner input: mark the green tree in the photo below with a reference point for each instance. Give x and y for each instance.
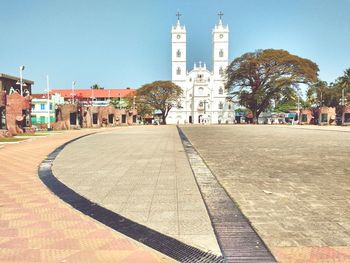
(318, 94)
(160, 95)
(257, 78)
(96, 86)
(343, 84)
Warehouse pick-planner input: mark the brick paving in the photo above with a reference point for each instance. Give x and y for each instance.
(36, 226)
(292, 183)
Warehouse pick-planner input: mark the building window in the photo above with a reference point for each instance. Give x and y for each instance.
(33, 107)
(110, 118)
(73, 118)
(178, 71)
(95, 118)
(221, 53)
(50, 106)
(42, 119)
(229, 106)
(200, 91)
(346, 117)
(42, 106)
(221, 106)
(178, 53)
(303, 117)
(221, 91)
(221, 71)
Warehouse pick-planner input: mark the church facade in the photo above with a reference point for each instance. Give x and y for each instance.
(204, 96)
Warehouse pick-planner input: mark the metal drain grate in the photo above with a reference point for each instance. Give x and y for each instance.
(156, 240)
(237, 239)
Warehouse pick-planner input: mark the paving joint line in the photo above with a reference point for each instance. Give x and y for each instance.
(147, 236)
(238, 240)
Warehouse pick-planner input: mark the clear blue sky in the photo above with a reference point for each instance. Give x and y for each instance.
(126, 43)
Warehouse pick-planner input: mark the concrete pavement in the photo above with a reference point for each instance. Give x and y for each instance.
(292, 182)
(143, 174)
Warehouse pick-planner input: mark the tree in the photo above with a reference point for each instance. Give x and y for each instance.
(343, 83)
(286, 100)
(257, 78)
(160, 95)
(321, 94)
(96, 86)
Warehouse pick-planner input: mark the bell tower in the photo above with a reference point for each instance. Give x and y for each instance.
(220, 38)
(178, 52)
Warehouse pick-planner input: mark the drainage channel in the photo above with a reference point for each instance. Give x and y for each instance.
(237, 239)
(149, 237)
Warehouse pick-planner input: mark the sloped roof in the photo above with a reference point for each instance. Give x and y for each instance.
(96, 93)
(5, 76)
(39, 96)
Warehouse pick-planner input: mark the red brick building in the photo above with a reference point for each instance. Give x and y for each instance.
(14, 107)
(346, 115)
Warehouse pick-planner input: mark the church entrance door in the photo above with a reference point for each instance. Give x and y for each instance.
(200, 118)
(190, 119)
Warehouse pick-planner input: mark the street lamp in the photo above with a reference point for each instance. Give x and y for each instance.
(298, 115)
(48, 102)
(73, 88)
(20, 82)
(343, 99)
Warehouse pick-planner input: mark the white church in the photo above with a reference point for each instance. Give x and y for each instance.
(204, 96)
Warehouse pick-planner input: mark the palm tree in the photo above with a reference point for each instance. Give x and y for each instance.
(317, 93)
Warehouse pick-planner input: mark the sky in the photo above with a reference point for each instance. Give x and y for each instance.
(126, 43)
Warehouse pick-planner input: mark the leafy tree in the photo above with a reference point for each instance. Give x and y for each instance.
(96, 86)
(343, 83)
(160, 95)
(286, 100)
(257, 78)
(319, 94)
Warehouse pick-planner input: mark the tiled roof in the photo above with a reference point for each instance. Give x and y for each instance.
(96, 93)
(39, 96)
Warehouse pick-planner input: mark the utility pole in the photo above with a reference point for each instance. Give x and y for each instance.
(48, 102)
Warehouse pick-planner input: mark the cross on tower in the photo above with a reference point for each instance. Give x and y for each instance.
(178, 15)
(220, 14)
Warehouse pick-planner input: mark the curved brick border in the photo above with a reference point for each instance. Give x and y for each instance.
(156, 240)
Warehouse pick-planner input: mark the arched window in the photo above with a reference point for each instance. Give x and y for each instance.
(221, 91)
(221, 53)
(200, 91)
(221, 71)
(178, 53)
(178, 71)
(221, 106)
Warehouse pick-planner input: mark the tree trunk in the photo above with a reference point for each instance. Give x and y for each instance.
(256, 117)
(164, 118)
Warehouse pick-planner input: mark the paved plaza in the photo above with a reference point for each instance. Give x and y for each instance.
(292, 183)
(36, 226)
(143, 174)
